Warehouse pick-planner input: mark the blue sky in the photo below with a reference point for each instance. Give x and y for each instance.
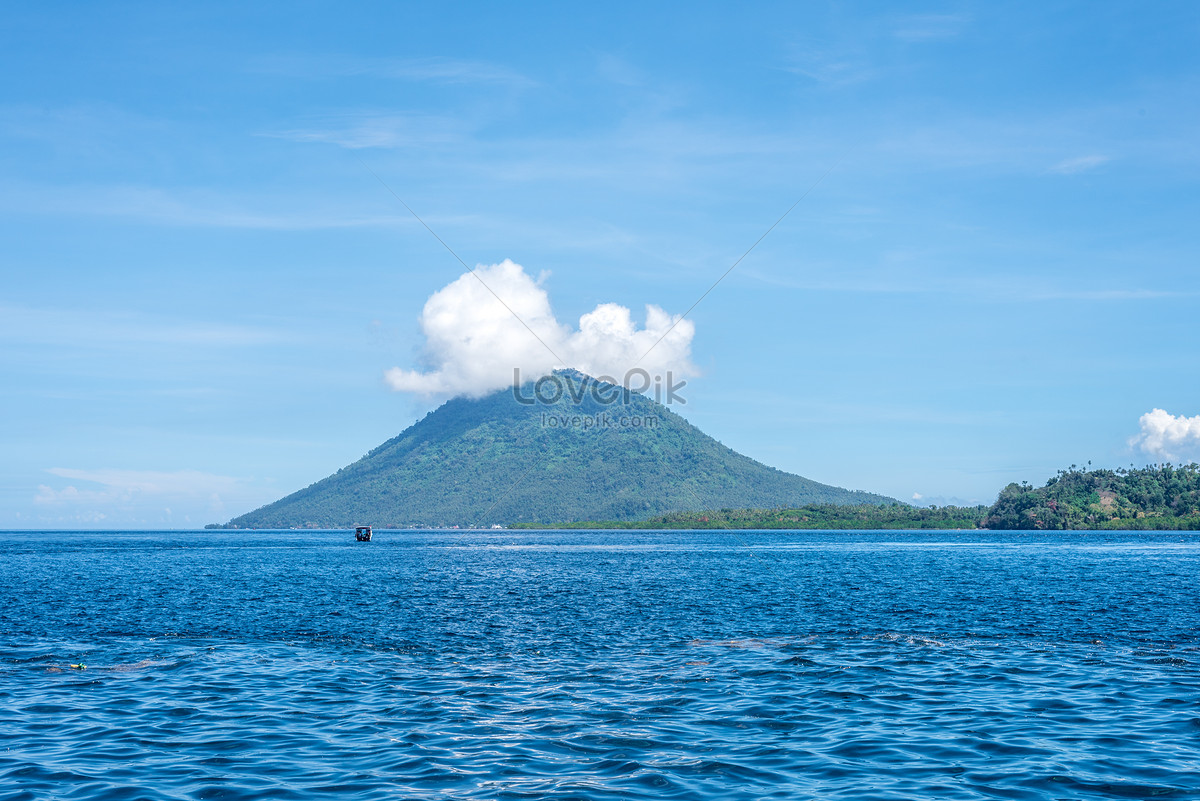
(204, 285)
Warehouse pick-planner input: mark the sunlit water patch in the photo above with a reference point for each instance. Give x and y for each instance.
(598, 665)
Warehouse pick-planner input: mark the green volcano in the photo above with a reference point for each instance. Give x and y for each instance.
(579, 450)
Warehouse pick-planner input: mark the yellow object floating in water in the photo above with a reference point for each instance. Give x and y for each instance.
(79, 667)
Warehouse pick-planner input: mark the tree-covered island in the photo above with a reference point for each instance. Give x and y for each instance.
(1161, 497)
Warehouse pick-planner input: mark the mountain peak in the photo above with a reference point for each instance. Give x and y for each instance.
(568, 447)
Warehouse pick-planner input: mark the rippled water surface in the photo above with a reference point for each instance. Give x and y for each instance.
(595, 665)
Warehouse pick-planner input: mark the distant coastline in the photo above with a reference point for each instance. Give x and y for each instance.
(814, 516)
(1158, 498)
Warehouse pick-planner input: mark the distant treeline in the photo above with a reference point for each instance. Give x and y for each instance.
(816, 516)
(1162, 497)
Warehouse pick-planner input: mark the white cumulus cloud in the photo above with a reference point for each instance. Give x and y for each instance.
(1167, 437)
(482, 326)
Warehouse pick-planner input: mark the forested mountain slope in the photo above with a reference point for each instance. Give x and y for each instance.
(496, 460)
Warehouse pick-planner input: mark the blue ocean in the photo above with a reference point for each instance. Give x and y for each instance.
(599, 665)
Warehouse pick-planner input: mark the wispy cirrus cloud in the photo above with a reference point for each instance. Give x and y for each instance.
(448, 70)
(1108, 294)
(835, 68)
(155, 496)
(929, 27)
(189, 207)
(92, 328)
(434, 69)
(378, 129)
(88, 127)
(1079, 164)
(124, 482)
(1000, 289)
(858, 54)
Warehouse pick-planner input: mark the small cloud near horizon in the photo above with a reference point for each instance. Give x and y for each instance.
(1167, 437)
(486, 324)
(942, 500)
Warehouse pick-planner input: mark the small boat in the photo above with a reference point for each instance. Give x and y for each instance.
(362, 533)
